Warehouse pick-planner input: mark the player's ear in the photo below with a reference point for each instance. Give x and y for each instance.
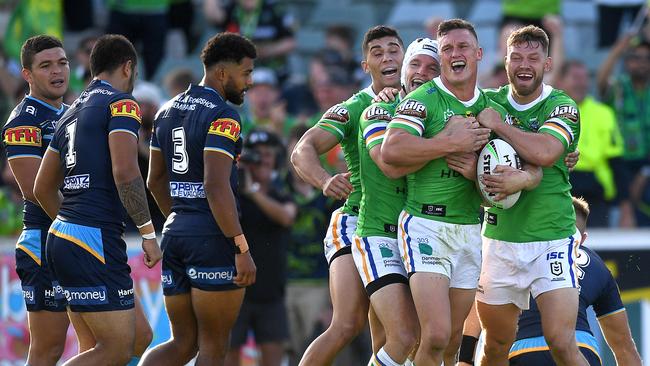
(548, 64)
(127, 69)
(26, 74)
(364, 66)
(479, 54)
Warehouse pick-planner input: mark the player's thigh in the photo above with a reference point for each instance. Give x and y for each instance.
(430, 293)
(498, 321)
(394, 307)
(85, 336)
(182, 320)
(216, 312)
(349, 300)
(461, 301)
(48, 327)
(558, 310)
(113, 329)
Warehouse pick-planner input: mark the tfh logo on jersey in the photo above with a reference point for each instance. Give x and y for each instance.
(126, 108)
(337, 113)
(374, 113)
(23, 135)
(567, 111)
(413, 108)
(226, 127)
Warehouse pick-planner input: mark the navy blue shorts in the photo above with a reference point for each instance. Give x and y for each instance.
(90, 267)
(534, 351)
(34, 273)
(203, 262)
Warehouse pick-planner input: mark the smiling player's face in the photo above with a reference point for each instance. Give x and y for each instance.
(526, 63)
(459, 56)
(49, 74)
(420, 69)
(239, 80)
(384, 61)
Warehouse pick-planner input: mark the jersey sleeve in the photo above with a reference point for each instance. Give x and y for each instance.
(23, 138)
(125, 116)
(373, 123)
(223, 134)
(562, 122)
(336, 121)
(153, 142)
(410, 115)
(609, 302)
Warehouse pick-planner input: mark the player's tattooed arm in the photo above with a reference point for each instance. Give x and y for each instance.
(134, 198)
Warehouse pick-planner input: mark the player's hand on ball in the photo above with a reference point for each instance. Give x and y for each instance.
(505, 180)
(571, 159)
(386, 95)
(466, 134)
(246, 270)
(152, 253)
(338, 186)
(489, 118)
(463, 163)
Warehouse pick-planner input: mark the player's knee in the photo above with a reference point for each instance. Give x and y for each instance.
(435, 338)
(143, 338)
(407, 338)
(348, 328)
(561, 343)
(49, 353)
(498, 345)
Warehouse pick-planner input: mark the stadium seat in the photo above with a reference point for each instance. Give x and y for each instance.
(415, 14)
(487, 12)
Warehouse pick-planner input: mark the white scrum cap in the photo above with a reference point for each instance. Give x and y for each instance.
(421, 46)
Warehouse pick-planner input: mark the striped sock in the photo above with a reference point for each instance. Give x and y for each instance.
(383, 359)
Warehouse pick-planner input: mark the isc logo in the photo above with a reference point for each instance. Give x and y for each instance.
(555, 255)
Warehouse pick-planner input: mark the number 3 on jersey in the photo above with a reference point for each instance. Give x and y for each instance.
(71, 155)
(180, 162)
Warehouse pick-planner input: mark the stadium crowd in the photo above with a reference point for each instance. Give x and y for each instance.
(284, 217)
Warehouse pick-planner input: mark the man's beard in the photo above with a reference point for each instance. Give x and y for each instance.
(232, 94)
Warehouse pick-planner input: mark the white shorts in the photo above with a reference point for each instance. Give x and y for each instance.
(513, 271)
(433, 246)
(378, 261)
(339, 235)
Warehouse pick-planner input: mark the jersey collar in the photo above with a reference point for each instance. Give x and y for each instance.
(468, 103)
(49, 106)
(546, 91)
(210, 89)
(368, 90)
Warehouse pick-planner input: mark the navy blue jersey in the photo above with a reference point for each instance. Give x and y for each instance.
(597, 288)
(194, 121)
(81, 139)
(28, 132)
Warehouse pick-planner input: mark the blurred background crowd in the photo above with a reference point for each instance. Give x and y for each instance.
(309, 59)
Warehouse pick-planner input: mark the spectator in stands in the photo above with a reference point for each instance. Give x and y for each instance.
(80, 74)
(177, 81)
(629, 95)
(181, 17)
(266, 110)
(264, 23)
(498, 77)
(340, 38)
(268, 213)
(529, 12)
(601, 144)
(143, 22)
(614, 16)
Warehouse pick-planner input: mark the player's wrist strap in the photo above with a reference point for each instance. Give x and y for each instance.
(240, 243)
(467, 349)
(147, 230)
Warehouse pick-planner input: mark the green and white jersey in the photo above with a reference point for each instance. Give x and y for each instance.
(545, 213)
(436, 191)
(382, 198)
(342, 121)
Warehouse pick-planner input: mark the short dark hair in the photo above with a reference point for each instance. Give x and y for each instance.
(227, 47)
(581, 208)
(567, 65)
(345, 32)
(34, 45)
(110, 52)
(457, 23)
(529, 34)
(377, 32)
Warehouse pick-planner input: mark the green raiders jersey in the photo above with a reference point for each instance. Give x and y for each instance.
(342, 120)
(383, 198)
(436, 191)
(545, 213)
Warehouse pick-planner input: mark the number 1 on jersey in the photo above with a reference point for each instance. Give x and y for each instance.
(180, 162)
(71, 155)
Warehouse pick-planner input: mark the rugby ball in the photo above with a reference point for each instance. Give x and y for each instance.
(497, 152)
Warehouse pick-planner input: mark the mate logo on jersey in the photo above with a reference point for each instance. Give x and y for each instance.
(376, 112)
(23, 136)
(126, 108)
(566, 111)
(226, 127)
(412, 108)
(337, 113)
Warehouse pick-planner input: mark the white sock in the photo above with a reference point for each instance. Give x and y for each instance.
(383, 359)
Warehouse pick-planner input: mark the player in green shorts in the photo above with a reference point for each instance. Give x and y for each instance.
(535, 241)
(383, 52)
(439, 230)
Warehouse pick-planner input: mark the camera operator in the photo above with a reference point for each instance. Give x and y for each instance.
(267, 215)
